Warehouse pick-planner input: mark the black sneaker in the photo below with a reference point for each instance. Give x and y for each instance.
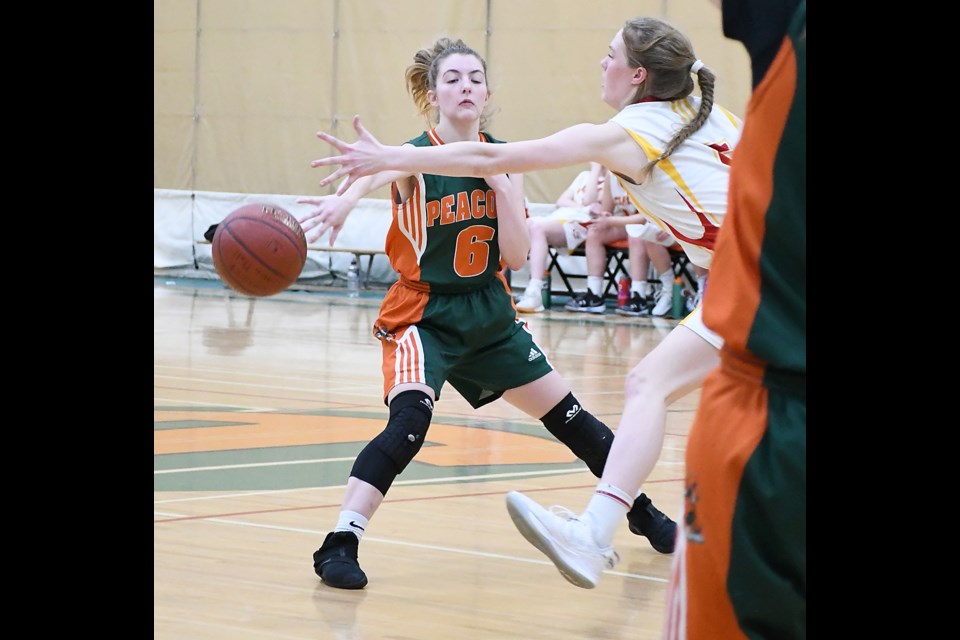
(589, 302)
(646, 520)
(637, 305)
(336, 561)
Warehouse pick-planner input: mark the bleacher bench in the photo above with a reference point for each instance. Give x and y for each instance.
(359, 253)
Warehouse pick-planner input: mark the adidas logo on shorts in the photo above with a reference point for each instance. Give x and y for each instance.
(534, 354)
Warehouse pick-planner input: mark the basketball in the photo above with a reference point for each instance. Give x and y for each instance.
(259, 249)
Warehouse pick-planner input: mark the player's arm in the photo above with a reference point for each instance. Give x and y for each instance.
(331, 211)
(606, 143)
(513, 235)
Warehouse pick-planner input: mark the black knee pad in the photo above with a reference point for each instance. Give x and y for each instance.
(387, 455)
(588, 438)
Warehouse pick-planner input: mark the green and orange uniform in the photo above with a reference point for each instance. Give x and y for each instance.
(740, 569)
(451, 316)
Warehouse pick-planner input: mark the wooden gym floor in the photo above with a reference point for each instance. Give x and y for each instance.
(261, 405)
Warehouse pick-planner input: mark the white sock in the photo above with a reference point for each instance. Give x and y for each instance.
(533, 287)
(595, 284)
(353, 522)
(667, 279)
(643, 288)
(605, 513)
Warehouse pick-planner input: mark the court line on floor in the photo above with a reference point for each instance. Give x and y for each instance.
(428, 547)
(281, 463)
(494, 476)
(251, 465)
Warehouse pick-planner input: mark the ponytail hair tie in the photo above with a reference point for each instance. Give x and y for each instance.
(696, 66)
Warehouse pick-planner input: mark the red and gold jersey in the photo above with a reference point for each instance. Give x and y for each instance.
(686, 194)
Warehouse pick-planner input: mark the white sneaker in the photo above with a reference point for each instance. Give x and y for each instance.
(664, 302)
(566, 540)
(530, 302)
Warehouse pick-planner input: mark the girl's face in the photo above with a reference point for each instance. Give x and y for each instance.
(620, 80)
(461, 92)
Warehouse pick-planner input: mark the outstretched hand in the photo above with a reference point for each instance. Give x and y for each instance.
(330, 214)
(362, 158)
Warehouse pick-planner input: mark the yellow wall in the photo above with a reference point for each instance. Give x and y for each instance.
(242, 86)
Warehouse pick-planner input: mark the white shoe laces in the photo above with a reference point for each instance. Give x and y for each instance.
(563, 512)
(580, 537)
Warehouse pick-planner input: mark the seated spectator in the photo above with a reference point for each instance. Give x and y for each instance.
(649, 245)
(579, 203)
(645, 245)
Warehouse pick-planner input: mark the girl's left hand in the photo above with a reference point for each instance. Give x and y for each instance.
(362, 158)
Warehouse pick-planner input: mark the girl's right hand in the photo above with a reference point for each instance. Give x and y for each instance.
(330, 213)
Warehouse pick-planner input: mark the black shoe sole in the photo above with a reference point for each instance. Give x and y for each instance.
(352, 584)
(659, 548)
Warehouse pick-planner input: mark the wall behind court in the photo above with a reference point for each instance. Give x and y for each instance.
(242, 86)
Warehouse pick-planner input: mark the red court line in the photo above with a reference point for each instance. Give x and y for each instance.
(385, 501)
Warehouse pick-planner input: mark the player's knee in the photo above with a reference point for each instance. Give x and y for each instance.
(387, 455)
(410, 414)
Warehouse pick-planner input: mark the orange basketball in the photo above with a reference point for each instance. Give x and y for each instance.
(259, 249)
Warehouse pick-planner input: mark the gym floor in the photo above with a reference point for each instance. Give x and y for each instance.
(261, 405)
